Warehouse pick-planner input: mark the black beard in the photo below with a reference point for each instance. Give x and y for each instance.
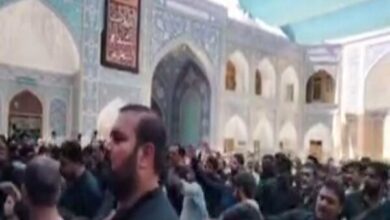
(124, 180)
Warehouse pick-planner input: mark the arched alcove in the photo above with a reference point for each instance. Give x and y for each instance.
(289, 86)
(320, 88)
(288, 139)
(32, 36)
(376, 91)
(181, 90)
(235, 135)
(237, 73)
(318, 142)
(25, 115)
(376, 106)
(263, 137)
(268, 78)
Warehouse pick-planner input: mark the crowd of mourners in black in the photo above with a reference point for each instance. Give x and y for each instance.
(134, 175)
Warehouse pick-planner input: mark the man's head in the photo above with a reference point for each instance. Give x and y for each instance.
(71, 158)
(353, 173)
(212, 164)
(308, 176)
(312, 160)
(268, 166)
(283, 164)
(237, 162)
(174, 156)
(375, 178)
(244, 186)
(42, 185)
(137, 149)
(330, 200)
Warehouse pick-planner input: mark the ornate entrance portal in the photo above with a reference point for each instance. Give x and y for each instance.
(25, 115)
(181, 96)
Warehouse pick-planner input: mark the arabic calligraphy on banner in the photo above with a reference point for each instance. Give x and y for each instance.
(120, 42)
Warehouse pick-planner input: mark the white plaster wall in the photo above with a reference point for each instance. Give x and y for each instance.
(32, 36)
(386, 137)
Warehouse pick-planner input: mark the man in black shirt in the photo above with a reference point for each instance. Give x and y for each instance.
(373, 193)
(329, 205)
(138, 154)
(82, 196)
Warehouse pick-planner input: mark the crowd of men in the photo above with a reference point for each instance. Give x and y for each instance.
(135, 175)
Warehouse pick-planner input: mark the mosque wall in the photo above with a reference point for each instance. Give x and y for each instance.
(214, 39)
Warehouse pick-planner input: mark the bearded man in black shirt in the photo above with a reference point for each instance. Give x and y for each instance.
(138, 153)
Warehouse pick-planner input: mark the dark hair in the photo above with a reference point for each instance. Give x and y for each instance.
(314, 159)
(283, 164)
(87, 151)
(43, 181)
(242, 211)
(43, 150)
(356, 165)
(182, 152)
(71, 150)
(269, 157)
(151, 129)
(213, 163)
(381, 169)
(337, 187)
(247, 183)
(240, 158)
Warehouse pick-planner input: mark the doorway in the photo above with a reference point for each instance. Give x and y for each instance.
(25, 116)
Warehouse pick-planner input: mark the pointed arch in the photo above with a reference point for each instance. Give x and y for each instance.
(26, 114)
(268, 78)
(320, 88)
(181, 88)
(43, 33)
(288, 138)
(289, 86)
(376, 91)
(235, 135)
(318, 141)
(263, 136)
(237, 65)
